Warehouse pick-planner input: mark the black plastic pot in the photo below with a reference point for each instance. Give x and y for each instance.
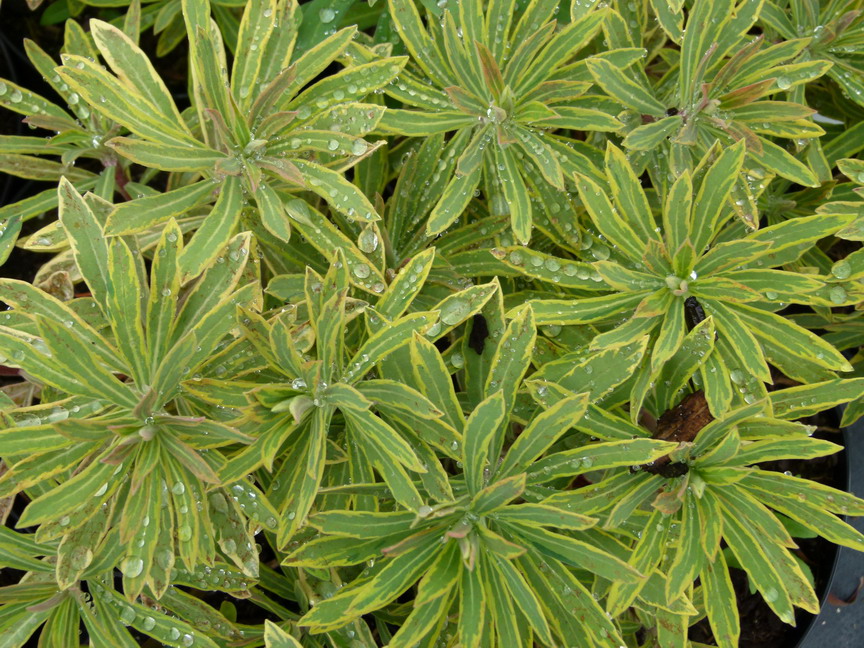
(842, 626)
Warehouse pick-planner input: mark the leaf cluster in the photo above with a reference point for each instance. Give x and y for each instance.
(418, 323)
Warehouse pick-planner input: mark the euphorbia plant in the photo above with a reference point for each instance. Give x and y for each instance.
(252, 133)
(503, 86)
(427, 324)
(667, 278)
(112, 366)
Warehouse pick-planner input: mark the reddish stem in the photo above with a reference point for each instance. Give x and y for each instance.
(121, 180)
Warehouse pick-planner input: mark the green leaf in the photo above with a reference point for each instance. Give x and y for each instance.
(325, 236)
(256, 26)
(649, 136)
(806, 400)
(124, 301)
(458, 307)
(695, 348)
(213, 287)
(68, 496)
(34, 168)
(583, 311)
(597, 374)
(170, 631)
(8, 236)
(515, 193)
(406, 20)
(542, 432)
(350, 84)
(480, 430)
(628, 194)
(17, 629)
(671, 336)
(676, 222)
(560, 49)
(207, 63)
(571, 606)
(21, 353)
(514, 584)
(781, 162)
(84, 233)
(720, 602)
(343, 196)
(790, 238)
(305, 478)
(75, 552)
(27, 298)
(120, 102)
(758, 556)
(510, 363)
(748, 353)
(141, 522)
(167, 157)
(134, 69)
(793, 339)
(30, 439)
(715, 431)
(575, 118)
(440, 578)
(276, 637)
(774, 449)
(541, 515)
(142, 213)
(385, 341)
(453, 201)
(26, 102)
(498, 494)
(695, 47)
(806, 513)
(216, 230)
(688, 558)
(73, 356)
(423, 618)
(597, 456)
(382, 435)
(360, 524)
(414, 123)
(433, 380)
(608, 221)
(164, 286)
(386, 585)
(577, 553)
(305, 69)
(542, 156)
(552, 269)
(619, 86)
(400, 484)
(646, 555)
(406, 284)
(731, 253)
(399, 396)
(711, 200)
